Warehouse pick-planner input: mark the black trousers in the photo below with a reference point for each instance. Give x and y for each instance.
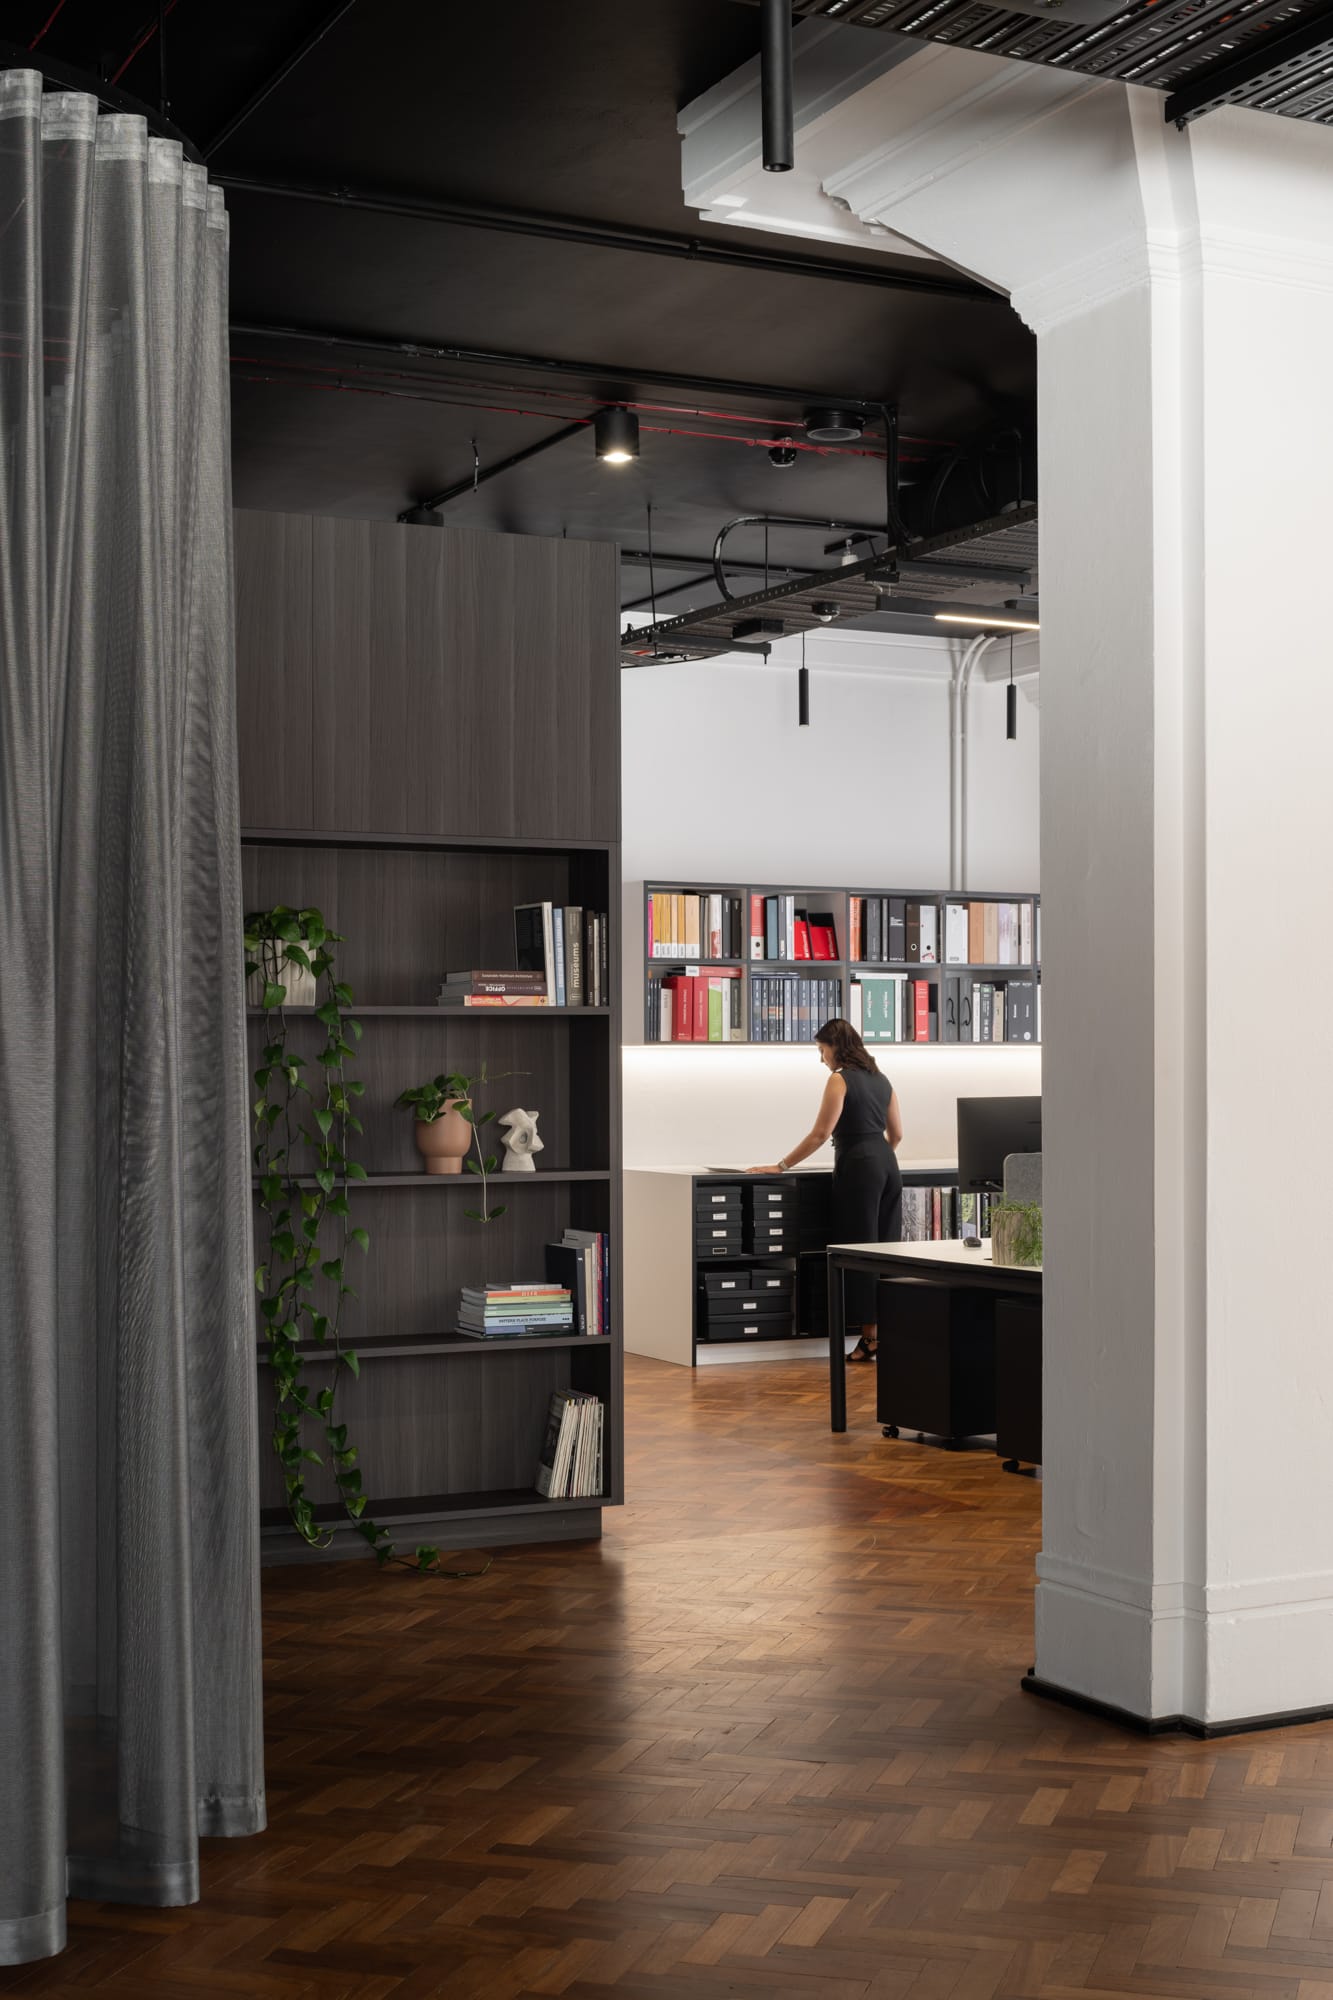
(866, 1207)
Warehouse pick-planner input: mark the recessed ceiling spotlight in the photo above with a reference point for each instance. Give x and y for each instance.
(828, 426)
(782, 455)
(616, 435)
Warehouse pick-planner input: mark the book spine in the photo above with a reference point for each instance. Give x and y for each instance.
(757, 926)
(921, 1010)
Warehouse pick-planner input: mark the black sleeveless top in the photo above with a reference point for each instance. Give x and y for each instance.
(865, 1108)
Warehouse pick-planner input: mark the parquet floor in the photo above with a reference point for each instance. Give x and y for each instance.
(765, 1740)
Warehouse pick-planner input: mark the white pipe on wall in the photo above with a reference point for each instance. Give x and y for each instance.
(958, 685)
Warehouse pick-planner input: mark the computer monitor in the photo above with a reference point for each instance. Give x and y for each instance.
(989, 1129)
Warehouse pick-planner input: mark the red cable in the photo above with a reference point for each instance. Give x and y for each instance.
(46, 24)
(145, 37)
(544, 416)
(782, 424)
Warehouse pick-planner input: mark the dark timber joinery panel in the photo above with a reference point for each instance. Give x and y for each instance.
(426, 681)
(430, 733)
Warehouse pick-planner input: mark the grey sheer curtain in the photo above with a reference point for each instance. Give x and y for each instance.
(129, 1620)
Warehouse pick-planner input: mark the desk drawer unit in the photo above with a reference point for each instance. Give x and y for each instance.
(936, 1367)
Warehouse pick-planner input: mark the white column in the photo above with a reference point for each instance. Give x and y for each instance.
(1181, 289)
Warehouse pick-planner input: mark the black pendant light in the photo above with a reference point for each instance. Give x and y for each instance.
(775, 86)
(803, 691)
(1011, 699)
(616, 435)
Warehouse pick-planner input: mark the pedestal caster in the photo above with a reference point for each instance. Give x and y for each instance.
(890, 1430)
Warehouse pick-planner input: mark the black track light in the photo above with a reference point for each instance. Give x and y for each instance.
(616, 435)
(775, 86)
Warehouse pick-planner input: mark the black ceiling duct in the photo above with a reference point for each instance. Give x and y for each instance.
(775, 87)
(834, 426)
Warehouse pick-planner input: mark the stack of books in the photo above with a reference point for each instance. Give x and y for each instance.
(493, 989)
(991, 933)
(696, 1007)
(694, 926)
(779, 930)
(569, 948)
(890, 1007)
(579, 1262)
(789, 1009)
(570, 1466)
(515, 1312)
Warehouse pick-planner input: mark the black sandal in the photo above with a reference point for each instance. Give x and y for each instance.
(861, 1352)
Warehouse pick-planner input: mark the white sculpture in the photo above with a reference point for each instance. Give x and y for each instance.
(521, 1141)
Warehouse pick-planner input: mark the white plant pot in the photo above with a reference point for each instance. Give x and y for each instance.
(275, 967)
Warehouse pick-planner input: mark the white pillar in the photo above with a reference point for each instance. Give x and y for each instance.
(1181, 289)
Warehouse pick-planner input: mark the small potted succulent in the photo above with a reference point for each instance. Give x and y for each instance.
(443, 1122)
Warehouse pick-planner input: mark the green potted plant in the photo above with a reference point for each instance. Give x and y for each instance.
(280, 949)
(447, 1103)
(1015, 1233)
(443, 1131)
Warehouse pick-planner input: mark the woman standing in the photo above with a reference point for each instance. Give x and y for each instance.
(859, 1112)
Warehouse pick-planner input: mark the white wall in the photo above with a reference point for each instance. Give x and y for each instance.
(720, 782)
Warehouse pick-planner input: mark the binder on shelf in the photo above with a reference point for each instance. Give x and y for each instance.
(929, 930)
(823, 936)
(913, 934)
(896, 944)
(534, 942)
(955, 933)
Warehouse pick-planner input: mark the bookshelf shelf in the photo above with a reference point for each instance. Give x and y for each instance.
(553, 1175)
(385, 1347)
(937, 1001)
(450, 1013)
(496, 641)
(403, 1510)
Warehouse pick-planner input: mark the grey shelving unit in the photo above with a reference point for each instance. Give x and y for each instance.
(843, 969)
(356, 641)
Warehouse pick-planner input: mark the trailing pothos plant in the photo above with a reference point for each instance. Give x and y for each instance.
(305, 1118)
(430, 1101)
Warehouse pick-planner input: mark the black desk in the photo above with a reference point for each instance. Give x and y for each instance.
(1016, 1293)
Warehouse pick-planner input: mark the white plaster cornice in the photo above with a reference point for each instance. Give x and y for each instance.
(1003, 100)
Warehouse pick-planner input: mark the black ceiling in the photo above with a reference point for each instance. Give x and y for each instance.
(569, 110)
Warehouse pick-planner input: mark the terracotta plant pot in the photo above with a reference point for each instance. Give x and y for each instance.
(443, 1143)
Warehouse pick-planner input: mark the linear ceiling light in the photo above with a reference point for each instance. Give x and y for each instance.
(986, 622)
(616, 432)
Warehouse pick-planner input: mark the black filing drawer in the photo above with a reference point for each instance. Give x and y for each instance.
(724, 1245)
(741, 1305)
(772, 1239)
(771, 1197)
(773, 1326)
(711, 1200)
(772, 1284)
(731, 1283)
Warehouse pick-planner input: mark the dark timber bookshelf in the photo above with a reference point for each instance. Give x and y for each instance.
(449, 705)
(844, 969)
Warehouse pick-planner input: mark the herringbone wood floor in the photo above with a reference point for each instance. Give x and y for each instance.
(765, 1740)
